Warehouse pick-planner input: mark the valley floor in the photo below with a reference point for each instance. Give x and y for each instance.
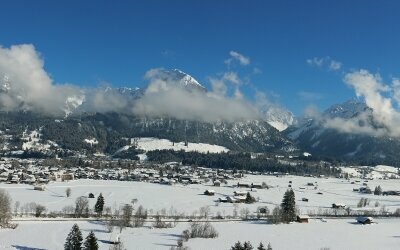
(333, 234)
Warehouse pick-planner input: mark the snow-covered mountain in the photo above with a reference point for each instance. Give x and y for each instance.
(346, 110)
(278, 117)
(315, 136)
(184, 80)
(5, 84)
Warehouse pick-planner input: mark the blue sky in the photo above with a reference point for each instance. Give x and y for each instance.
(292, 43)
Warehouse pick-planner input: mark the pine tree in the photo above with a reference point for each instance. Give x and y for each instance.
(74, 239)
(261, 247)
(91, 242)
(269, 246)
(238, 246)
(249, 198)
(247, 245)
(288, 206)
(98, 207)
(378, 190)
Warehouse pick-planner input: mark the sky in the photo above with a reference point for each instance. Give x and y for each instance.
(297, 53)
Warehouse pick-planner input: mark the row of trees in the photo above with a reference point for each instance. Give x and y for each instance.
(247, 246)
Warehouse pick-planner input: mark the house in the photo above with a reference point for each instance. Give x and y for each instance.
(303, 218)
(338, 205)
(209, 192)
(364, 220)
(240, 193)
(256, 185)
(39, 187)
(236, 199)
(244, 185)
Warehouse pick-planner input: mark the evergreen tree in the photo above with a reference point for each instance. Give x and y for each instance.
(249, 198)
(378, 190)
(74, 239)
(247, 245)
(91, 242)
(261, 247)
(269, 246)
(288, 206)
(238, 246)
(98, 207)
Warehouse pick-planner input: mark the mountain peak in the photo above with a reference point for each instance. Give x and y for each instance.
(348, 109)
(183, 79)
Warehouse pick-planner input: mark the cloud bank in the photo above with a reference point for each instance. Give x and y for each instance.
(25, 85)
(165, 98)
(383, 118)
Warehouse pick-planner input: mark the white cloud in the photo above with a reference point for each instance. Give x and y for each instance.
(236, 56)
(164, 98)
(30, 87)
(232, 77)
(335, 65)
(383, 119)
(322, 62)
(316, 61)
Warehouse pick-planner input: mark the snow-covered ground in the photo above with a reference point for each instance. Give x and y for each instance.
(190, 198)
(92, 141)
(150, 144)
(333, 234)
(377, 172)
(32, 141)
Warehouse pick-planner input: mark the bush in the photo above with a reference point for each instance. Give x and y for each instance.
(158, 223)
(201, 230)
(39, 210)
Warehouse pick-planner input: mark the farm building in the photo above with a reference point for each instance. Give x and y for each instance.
(364, 220)
(209, 192)
(303, 218)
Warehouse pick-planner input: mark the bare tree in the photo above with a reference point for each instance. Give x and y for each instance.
(68, 210)
(81, 206)
(16, 207)
(39, 210)
(205, 212)
(5, 208)
(126, 217)
(68, 192)
(140, 217)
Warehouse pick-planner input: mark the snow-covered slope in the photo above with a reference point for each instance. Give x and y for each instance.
(320, 138)
(150, 144)
(278, 117)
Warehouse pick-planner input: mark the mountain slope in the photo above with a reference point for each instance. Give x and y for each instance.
(109, 132)
(314, 136)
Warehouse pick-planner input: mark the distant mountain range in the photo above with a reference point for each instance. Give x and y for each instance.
(314, 136)
(110, 131)
(275, 131)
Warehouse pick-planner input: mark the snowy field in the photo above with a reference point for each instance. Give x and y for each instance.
(151, 144)
(188, 199)
(336, 234)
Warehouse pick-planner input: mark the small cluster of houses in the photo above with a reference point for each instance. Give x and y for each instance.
(32, 174)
